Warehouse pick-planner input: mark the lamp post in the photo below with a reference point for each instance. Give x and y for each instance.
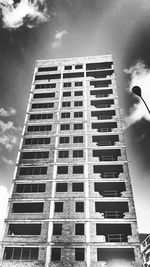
(137, 91)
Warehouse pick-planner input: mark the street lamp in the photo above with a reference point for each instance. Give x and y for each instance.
(137, 91)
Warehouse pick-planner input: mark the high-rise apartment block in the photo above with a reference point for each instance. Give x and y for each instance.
(72, 202)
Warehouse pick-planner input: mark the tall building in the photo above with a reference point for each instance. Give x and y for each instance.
(72, 202)
(145, 248)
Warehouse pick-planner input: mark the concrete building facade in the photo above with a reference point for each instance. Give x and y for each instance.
(72, 202)
(145, 248)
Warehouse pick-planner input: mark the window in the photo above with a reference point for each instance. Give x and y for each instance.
(79, 254)
(45, 95)
(79, 229)
(45, 86)
(57, 229)
(65, 127)
(63, 154)
(66, 104)
(35, 155)
(39, 128)
(24, 229)
(21, 253)
(29, 207)
(77, 153)
(32, 170)
(45, 116)
(61, 187)
(42, 105)
(65, 94)
(65, 115)
(78, 103)
(78, 93)
(79, 206)
(77, 187)
(30, 188)
(59, 206)
(62, 169)
(37, 141)
(67, 84)
(78, 126)
(47, 69)
(78, 83)
(78, 139)
(56, 254)
(78, 169)
(78, 114)
(64, 140)
(78, 67)
(69, 67)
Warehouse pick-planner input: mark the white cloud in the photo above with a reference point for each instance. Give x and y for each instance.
(30, 12)
(140, 76)
(8, 135)
(59, 35)
(6, 113)
(3, 207)
(7, 161)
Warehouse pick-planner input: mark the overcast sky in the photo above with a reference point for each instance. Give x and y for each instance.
(40, 29)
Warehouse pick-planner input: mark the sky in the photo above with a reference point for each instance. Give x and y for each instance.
(45, 29)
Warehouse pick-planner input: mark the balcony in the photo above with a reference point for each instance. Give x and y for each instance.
(105, 140)
(125, 256)
(99, 74)
(110, 189)
(99, 66)
(107, 154)
(101, 93)
(108, 171)
(100, 83)
(114, 232)
(102, 103)
(104, 127)
(112, 210)
(103, 115)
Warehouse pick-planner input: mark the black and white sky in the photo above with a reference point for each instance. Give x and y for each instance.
(44, 29)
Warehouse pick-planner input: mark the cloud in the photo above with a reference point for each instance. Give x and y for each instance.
(8, 135)
(7, 161)
(27, 12)
(140, 76)
(59, 35)
(7, 113)
(3, 207)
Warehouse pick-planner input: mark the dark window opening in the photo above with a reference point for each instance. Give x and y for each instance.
(78, 139)
(65, 94)
(67, 85)
(104, 140)
(64, 140)
(65, 115)
(21, 253)
(78, 103)
(107, 254)
(102, 103)
(47, 69)
(37, 141)
(35, 155)
(27, 207)
(104, 127)
(45, 86)
(44, 95)
(39, 128)
(78, 84)
(110, 189)
(24, 229)
(73, 75)
(108, 171)
(65, 127)
(45, 116)
(42, 105)
(112, 210)
(99, 74)
(98, 65)
(78, 114)
(79, 254)
(101, 93)
(66, 104)
(61, 187)
(30, 188)
(79, 229)
(78, 67)
(103, 115)
(62, 169)
(47, 77)
(78, 93)
(78, 169)
(32, 170)
(114, 232)
(69, 67)
(57, 229)
(78, 126)
(63, 154)
(77, 153)
(77, 187)
(58, 207)
(79, 206)
(107, 154)
(101, 83)
(56, 254)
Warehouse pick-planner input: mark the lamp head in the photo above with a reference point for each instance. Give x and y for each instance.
(136, 90)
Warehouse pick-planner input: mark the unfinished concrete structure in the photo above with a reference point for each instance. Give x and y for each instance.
(145, 248)
(72, 202)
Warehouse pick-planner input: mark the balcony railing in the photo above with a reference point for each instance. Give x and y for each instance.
(115, 238)
(110, 193)
(114, 214)
(109, 175)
